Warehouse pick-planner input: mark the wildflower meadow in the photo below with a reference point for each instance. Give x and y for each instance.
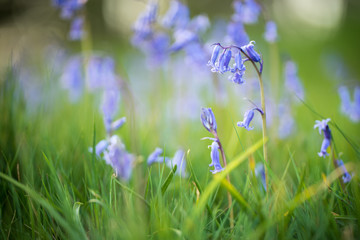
(155, 119)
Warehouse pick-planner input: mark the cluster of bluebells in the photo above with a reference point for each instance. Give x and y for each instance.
(208, 120)
(178, 160)
(220, 62)
(69, 10)
(158, 36)
(324, 128)
(348, 107)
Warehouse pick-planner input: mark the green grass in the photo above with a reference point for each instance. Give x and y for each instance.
(52, 187)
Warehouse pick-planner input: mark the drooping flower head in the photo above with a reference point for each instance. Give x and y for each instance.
(247, 12)
(346, 177)
(208, 119)
(155, 157)
(324, 127)
(270, 34)
(177, 16)
(120, 160)
(72, 78)
(180, 161)
(77, 29)
(248, 116)
(215, 158)
(249, 49)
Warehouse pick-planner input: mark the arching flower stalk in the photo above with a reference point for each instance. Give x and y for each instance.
(208, 120)
(221, 65)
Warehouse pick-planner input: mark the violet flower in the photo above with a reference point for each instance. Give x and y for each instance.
(249, 49)
(180, 161)
(346, 177)
(292, 81)
(120, 160)
(247, 12)
(72, 78)
(155, 157)
(270, 34)
(177, 15)
(208, 120)
(77, 29)
(215, 158)
(248, 116)
(324, 127)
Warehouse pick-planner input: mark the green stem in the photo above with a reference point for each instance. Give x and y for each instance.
(228, 179)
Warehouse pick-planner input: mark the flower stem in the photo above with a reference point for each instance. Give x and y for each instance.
(228, 179)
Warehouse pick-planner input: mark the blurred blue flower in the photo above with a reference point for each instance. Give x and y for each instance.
(180, 161)
(349, 107)
(324, 127)
(100, 73)
(346, 177)
(100, 147)
(120, 160)
(238, 77)
(155, 157)
(270, 34)
(292, 81)
(109, 106)
(199, 24)
(247, 12)
(249, 49)
(236, 34)
(260, 174)
(117, 124)
(248, 116)
(68, 7)
(143, 26)
(77, 29)
(72, 78)
(286, 121)
(238, 70)
(208, 119)
(214, 56)
(215, 158)
(182, 38)
(177, 15)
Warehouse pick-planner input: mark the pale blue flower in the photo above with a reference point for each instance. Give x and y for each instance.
(72, 78)
(180, 161)
(247, 12)
(349, 107)
(120, 160)
(215, 158)
(155, 157)
(100, 147)
(208, 119)
(236, 34)
(249, 49)
(177, 15)
(270, 34)
(346, 177)
(118, 124)
(324, 127)
(248, 116)
(110, 106)
(214, 56)
(77, 29)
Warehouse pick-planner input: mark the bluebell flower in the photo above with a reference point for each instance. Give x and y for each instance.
(118, 124)
(196, 54)
(249, 49)
(72, 78)
(247, 12)
(238, 77)
(260, 174)
(346, 177)
(199, 24)
(236, 34)
(157, 48)
(177, 16)
(292, 81)
(110, 106)
(77, 29)
(101, 73)
(208, 119)
(143, 26)
(155, 157)
(224, 65)
(215, 158)
(324, 127)
(248, 116)
(238, 70)
(270, 34)
(69, 7)
(349, 107)
(214, 56)
(180, 161)
(100, 147)
(182, 38)
(120, 160)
